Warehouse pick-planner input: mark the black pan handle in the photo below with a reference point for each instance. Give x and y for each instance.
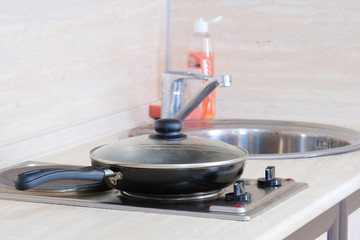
(34, 178)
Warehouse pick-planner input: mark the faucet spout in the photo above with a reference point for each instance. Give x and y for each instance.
(173, 105)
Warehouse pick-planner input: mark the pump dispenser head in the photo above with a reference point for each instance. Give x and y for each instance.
(203, 26)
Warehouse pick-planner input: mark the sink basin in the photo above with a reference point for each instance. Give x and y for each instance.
(273, 139)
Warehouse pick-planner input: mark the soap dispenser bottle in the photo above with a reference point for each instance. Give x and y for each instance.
(201, 60)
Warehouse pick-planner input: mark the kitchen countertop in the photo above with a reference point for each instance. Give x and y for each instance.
(330, 180)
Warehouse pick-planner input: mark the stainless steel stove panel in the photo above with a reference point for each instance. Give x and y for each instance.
(262, 199)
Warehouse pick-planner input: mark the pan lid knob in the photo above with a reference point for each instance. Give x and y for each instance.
(168, 129)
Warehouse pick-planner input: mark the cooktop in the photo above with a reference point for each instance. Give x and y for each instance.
(244, 200)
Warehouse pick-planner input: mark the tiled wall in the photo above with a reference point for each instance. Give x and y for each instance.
(293, 60)
(67, 62)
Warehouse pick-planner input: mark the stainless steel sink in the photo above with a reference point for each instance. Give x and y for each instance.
(273, 139)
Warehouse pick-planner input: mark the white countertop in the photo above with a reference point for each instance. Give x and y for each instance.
(330, 180)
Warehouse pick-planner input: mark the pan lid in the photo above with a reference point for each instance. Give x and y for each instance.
(168, 149)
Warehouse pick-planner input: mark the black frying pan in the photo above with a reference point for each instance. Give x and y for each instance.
(164, 163)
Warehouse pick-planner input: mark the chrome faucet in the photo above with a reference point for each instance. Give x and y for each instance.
(174, 86)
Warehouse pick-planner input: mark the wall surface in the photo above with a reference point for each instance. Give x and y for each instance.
(296, 60)
(67, 64)
(64, 63)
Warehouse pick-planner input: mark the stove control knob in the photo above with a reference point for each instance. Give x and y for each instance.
(239, 193)
(270, 180)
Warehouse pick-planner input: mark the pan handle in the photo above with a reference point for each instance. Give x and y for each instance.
(34, 178)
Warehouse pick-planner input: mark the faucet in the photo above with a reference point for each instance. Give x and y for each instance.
(174, 87)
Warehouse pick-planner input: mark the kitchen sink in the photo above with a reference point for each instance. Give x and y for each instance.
(265, 139)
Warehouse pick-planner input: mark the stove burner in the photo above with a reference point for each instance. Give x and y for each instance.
(173, 198)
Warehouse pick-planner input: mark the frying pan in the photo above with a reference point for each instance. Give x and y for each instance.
(166, 163)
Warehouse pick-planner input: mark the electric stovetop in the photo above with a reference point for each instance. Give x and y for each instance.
(244, 200)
